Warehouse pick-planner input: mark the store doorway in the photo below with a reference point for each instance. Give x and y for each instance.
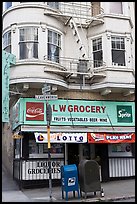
(73, 153)
(101, 152)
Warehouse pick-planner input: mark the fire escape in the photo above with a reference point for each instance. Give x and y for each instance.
(78, 17)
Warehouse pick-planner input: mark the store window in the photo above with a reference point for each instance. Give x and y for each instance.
(54, 5)
(40, 149)
(28, 44)
(7, 41)
(97, 52)
(54, 46)
(120, 150)
(17, 148)
(116, 7)
(118, 51)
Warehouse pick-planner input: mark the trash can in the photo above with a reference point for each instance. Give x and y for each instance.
(89, 177)
(69, 178)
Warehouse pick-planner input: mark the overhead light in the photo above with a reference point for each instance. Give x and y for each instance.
(105, 92)
(127, 93)
(54, 88)
(25, 86)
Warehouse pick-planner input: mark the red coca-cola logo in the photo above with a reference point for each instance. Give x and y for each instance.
(34, 111)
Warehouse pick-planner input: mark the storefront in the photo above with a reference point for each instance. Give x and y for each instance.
(73, 125)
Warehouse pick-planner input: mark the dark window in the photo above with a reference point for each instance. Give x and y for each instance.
(53, 46)
(28, 44)
(7, 41)
(54, 5)
(8, 5)
(118, 51)
(97, 52)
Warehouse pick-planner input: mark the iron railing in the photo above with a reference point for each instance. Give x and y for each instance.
(75, 64)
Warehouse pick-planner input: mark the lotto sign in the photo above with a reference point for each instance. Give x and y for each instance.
(61, 137)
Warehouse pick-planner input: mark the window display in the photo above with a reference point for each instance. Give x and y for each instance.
(42, 148)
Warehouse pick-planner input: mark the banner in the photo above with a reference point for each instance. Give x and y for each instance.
(111, 138)
(7, 60)
(61, 137)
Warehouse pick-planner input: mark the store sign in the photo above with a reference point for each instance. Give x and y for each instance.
(111, 138)
(7, 60)
(124, 114)
(34, 111)
(40, 170)
(77, 113)
(61, 137)
(16, 136)
(15, 115)
(120, 150)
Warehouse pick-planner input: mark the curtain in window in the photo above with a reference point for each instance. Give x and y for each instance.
(53, 46)
(29, 36)
(28, 43)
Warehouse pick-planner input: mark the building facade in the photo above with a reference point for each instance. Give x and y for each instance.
(82, 54)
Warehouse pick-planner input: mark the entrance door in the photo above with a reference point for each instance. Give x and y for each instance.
(101, 150)
(73, 153)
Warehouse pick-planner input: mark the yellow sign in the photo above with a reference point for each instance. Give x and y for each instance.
(16, 136)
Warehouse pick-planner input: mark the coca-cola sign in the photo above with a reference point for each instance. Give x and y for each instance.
(34, 111)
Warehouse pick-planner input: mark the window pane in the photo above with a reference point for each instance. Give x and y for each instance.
(97, 52)
(116, 7)
(28, 43)
(118, 51)
(8, 5)
(54, 5)
(53, 46)
(118, 56)
(7, 42)
(97, 56)
(53, 53)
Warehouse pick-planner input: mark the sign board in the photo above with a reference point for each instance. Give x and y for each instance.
(7, 60)
(75, 113)
(61, 137)
(46, 97)
(46, 89)
(111, 138)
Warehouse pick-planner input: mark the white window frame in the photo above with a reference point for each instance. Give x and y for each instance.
(99, 48)
(30, 40)
(119, 44)
(53, 44)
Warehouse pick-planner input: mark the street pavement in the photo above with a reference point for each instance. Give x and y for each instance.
(119, 190)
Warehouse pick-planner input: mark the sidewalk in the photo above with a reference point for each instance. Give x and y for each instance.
(113, 190)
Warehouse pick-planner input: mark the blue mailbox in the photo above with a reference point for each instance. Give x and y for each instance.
(69, 178)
